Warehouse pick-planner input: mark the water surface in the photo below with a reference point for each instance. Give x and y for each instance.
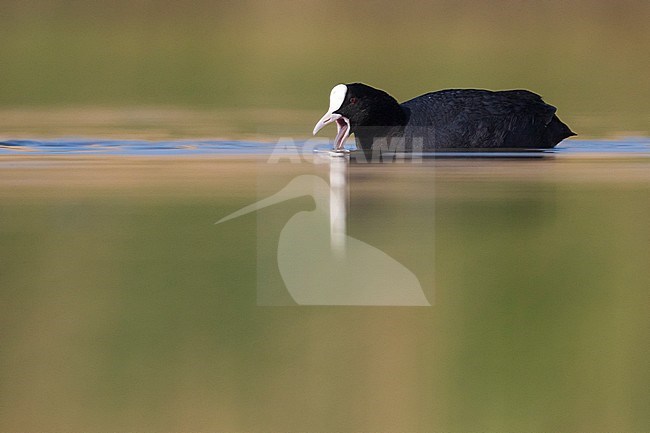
(124, 308)
(638, 146)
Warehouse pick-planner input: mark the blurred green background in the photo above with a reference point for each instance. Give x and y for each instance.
(589, 58)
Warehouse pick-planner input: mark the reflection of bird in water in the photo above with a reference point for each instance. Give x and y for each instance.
(319, 270)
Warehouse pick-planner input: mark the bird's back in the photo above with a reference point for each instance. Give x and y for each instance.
(472, 118)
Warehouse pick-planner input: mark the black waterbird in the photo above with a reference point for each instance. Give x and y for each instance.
(446, 119)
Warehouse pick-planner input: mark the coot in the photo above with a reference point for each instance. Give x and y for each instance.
(446, 119)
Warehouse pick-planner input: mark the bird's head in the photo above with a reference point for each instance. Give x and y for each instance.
(356, 106)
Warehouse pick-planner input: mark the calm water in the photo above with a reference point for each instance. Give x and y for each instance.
(638, 146)
(125, 308)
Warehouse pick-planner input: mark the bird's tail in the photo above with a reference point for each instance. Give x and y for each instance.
(556, 131)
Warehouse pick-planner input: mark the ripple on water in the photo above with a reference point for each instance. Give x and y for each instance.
(638, 146)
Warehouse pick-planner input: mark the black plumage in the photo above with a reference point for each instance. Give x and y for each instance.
(452, 119)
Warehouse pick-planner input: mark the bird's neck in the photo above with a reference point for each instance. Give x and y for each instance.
(387, 124)
(388, 114)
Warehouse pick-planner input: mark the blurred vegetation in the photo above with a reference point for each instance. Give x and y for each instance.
(590, 58)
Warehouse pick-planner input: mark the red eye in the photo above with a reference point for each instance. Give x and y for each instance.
(353, 100)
